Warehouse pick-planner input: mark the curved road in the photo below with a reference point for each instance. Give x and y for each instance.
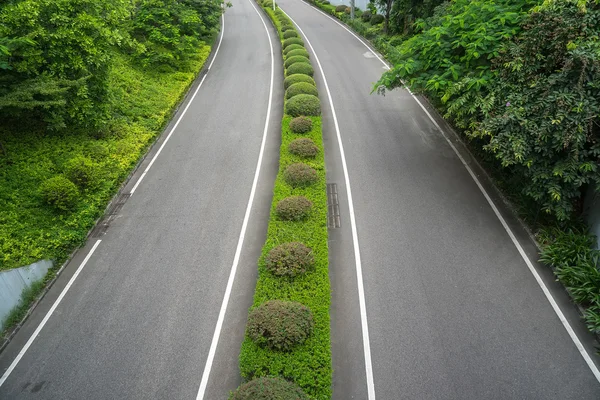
(138, 321)
(453, 311)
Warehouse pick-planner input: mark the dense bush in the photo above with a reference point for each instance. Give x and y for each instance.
(301, 125)
(303, 104)
(268, 388)
(290, 34)
(81, 171)
(97, 151)
(297, 78)
(301, 88)
(298, 52)
(376, 19)
(340, 8)
(300, 68)
(300, 175)
(280, 325)
(293, 208)
(60, 193)
(292, 41)
(292, 47)
(290, 259)
(366, 16)
(303, 147)
(295, 59)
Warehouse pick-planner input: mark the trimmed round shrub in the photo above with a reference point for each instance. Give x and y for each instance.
(287, 27)
(377, 19)
(300, 175)
(303, 104)
(300, 68)
(293, 208)
(291, 41)
(366, 16)
(60, 193)
(300, 88)
(292, 47)
(290, 259)
(268, 388)
(301, 125)
(280, 325)
(298, 52)
(303, 147)
(290, 34)
(81, 171)
(297, 78)
(340, 8)
(295, 59)
(326, 2)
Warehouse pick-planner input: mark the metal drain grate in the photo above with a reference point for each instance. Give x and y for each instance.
(111, 215)
(333, 207)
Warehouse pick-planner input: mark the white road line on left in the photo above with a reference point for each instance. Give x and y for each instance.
(47, 317)
(215, 340)
(184, 110)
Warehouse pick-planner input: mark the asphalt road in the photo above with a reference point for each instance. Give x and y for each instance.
(453, 310)
(139, 320)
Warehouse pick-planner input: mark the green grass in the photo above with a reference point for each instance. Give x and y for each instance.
(28, 296)
(142, 102)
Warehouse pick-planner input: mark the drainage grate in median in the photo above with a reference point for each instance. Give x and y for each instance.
(333, 207)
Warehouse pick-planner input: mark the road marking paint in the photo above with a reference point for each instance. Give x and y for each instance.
(509, 231)
(160, 149)
(361, 290)
(48, 315)
(236, 258)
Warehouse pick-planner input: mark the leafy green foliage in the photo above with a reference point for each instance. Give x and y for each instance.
(301, 125)
(303, 147)
(376, 19)
(366, 16)
(292, 47)
(268, 388)
(297, 78)
(301, 88)
(290, 33)
(81, 171)
(300, 175)
(303, 104)
(293, 208)
(292, 41)
(295, 59)
(60, 192)
(290, 259)
(298, 52)
(300, 68)
(341, 8)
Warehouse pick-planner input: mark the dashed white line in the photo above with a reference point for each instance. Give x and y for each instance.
(48, 315)
(509, 231)
(236, 258)
(358, 263)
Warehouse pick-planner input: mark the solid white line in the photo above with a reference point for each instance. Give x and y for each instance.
(359, 276)
(47, 317)
(238, 250)
(184, 110)
(509, 231)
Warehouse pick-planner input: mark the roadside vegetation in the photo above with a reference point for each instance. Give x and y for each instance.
(520, 81)
(85, 87)
(287, 352)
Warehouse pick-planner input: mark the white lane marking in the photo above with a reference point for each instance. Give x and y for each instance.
(184, 110)
(361, 290)
(48, 315)
(509, 231)
(236, 258)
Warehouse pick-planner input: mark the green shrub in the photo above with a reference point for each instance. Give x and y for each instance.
(290, 259)
(293, 208)
(347, 10)
(280, 325)
(301, 88)
(303, 104)
(300, 175)
(97, 152)
(60, 193)
(292, 47)
(297, 78)
(303, 147)
(291, 41)
(295, 59)
(340, 8)
(301, 125)
(290, 34)
(298, 52)
(366, 16)
(300, 68)
(81, 171)
(376, 19)
(268, 388)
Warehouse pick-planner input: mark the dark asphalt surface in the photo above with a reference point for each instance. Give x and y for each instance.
(139, 320)
(453, 311)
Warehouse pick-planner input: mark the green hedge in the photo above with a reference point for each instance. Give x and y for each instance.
(308, 364)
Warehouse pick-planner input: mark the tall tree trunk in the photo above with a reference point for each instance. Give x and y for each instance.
(388, 10)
